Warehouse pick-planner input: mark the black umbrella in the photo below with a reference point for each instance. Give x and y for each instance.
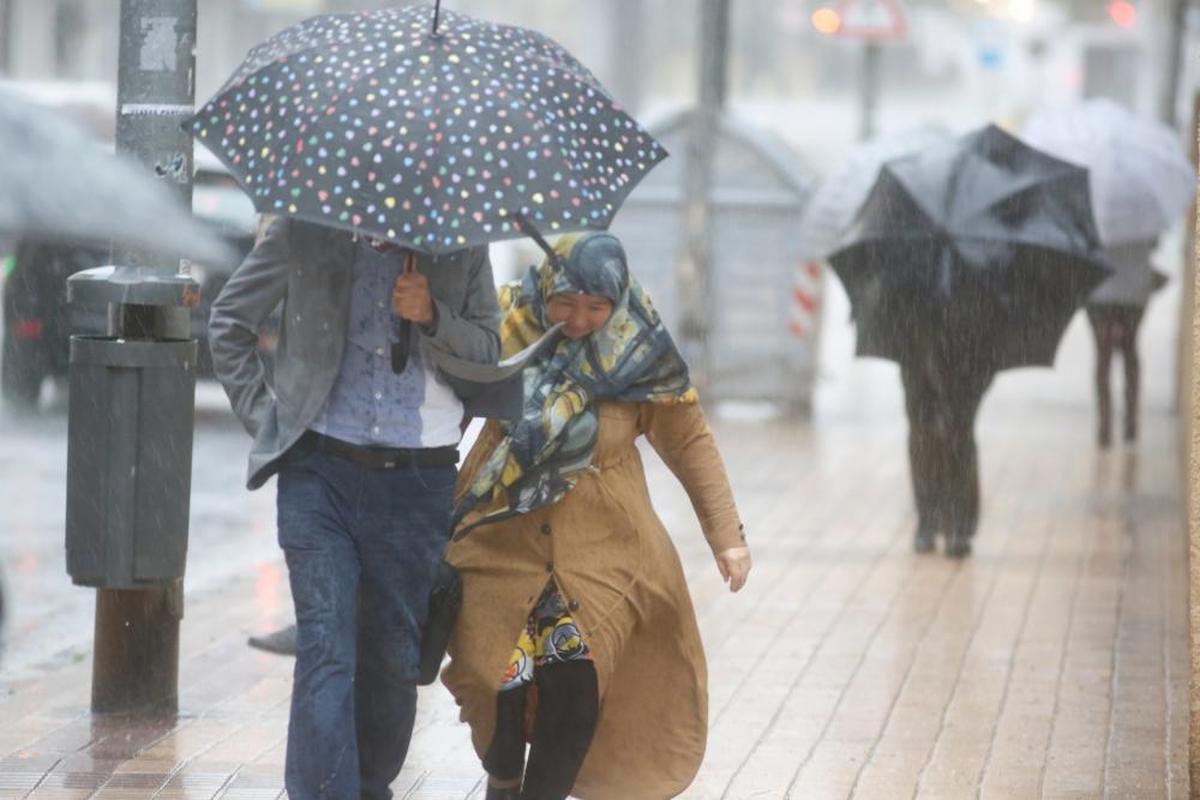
(429, 132)
(983, 242)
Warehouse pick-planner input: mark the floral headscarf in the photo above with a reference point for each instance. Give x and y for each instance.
(631, 358)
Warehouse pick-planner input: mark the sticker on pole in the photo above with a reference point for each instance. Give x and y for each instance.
(874, 20)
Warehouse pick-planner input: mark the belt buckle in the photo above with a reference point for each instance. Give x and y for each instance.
(389, 464)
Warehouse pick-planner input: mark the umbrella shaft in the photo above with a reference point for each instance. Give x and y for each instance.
(400, 350)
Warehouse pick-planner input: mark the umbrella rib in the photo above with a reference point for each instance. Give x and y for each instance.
(576, 69)
(941, 236)
(530, 85)
(486, 70)
(335, 102)
(538, 124)
(307, 46)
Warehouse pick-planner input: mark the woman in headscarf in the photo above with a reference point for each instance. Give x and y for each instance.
(577, 634)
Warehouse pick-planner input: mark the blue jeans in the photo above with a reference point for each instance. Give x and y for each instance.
(360, 545)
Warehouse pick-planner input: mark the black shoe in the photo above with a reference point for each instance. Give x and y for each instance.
(281, 642)
(507, 793)
(924, 542)
(958, 546)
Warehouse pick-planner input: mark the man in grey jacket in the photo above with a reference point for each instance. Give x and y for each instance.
(365, 457)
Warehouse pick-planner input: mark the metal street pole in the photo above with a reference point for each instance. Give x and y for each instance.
(6, 18)
(627, 51)
(134, 391)
(697, 302)
(155, 91)
(1175, 30)
(869, 85)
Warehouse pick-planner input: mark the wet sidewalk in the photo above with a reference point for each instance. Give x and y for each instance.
(1053, 663)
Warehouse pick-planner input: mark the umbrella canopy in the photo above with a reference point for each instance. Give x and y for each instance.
(373, 122)
(59, 184)
(1141, 181)
(1134, 278)
(830, 211)
(982, 243)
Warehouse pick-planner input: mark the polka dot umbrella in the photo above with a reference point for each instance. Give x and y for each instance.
(430, 129)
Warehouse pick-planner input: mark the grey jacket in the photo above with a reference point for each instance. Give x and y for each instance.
(1133, 280)
(309, 269)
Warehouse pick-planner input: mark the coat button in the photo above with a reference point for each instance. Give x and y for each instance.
(549, 566)
(546, 529)
(573, 605)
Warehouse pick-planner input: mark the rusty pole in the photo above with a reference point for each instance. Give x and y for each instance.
(136, 663)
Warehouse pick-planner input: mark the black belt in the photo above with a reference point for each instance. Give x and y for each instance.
(384, 457)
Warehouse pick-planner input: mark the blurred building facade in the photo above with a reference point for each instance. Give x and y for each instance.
(999, 58)
(76, 40)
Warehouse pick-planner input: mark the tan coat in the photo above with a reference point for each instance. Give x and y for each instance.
(618, 570)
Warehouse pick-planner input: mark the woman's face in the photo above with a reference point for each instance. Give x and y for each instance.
(583, 314)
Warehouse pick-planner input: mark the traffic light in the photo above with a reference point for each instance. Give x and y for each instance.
(1123, 13)
(827, 21)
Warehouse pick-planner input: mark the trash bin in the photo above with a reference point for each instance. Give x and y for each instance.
(128, 487)
(765, 323)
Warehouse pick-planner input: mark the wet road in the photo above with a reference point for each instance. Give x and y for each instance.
(1053, 663)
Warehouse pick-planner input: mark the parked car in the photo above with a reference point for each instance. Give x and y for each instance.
(38, 322)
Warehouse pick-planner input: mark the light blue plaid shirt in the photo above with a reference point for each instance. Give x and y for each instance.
(369, 404)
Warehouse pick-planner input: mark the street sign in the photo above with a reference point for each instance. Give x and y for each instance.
(873, 20)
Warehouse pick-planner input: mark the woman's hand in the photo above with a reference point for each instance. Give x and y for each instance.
(734, 565)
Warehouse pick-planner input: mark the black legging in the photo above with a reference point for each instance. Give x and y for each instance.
(942, 398)
(568, 707)
(1115, 329)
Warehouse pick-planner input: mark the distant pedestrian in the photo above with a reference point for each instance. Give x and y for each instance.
(577, 635)
(1115, 312)
(944, 384)
(967, 258)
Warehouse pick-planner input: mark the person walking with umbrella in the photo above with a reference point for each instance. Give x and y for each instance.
(967, 258)
(365, 457)
(393, 145)
(1115, 312)
(945, 378)
(558, 542)
(1141, 183)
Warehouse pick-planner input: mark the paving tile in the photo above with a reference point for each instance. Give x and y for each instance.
(1053, 663)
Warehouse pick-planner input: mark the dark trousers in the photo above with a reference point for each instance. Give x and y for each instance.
(360, 545)
(568, 708)
(942, 401)
(1115, 329)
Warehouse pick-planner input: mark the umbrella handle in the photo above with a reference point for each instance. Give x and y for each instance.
(404, 328)
(527, 227)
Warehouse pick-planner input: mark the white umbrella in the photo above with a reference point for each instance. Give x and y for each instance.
(55, 182)
(1140, 179)
(831, 209)
(1133, 279)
